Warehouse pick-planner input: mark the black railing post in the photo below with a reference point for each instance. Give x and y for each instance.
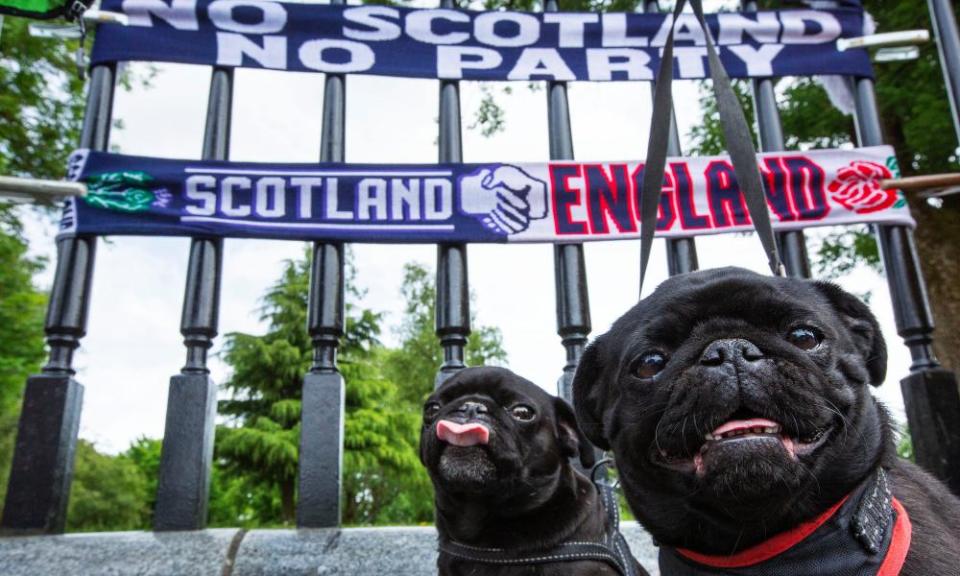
(453, 289)
(681, 252)
(183, 485)
(792, 244)
(322, 408)
(948, 42)
(570, 268)
(39, 488)
(930, 393)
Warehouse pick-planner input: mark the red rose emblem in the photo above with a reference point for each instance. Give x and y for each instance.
(857, 187)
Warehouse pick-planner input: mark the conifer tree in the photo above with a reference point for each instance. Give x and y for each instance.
(384, 482)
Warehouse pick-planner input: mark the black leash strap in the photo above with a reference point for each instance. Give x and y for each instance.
(736, 133)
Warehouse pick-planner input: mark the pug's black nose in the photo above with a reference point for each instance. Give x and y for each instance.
(733, 350)
(471, 409)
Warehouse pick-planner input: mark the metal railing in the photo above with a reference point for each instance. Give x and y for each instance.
(43, 460)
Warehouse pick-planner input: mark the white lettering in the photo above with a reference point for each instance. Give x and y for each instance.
(795, 26)
(206, 196)
(759, 61)
(273, 16)
(331, 200)
(571, 27)
(181, 14)
(690, 61)
(688, 29)
(437, 198)
(419, 26)
(602, 63)
(453, 60)
(305, 186)
(540, 62)
(312, 56)
(372, 17)
(372, 195)
(615, 32)
(267, 187)
(231, 48)
(230, 185)
(660, 39)
(764, 29)
(485, 29)
(405, 195)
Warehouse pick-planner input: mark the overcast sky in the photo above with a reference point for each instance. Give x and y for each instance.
(134, 345)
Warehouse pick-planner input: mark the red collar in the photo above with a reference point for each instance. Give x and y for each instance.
(766, 549)
(892, 563)
(899, 543)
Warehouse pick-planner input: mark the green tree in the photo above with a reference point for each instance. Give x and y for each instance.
(383, 480)
(410, 371)
(905, 445)
(257, 451)
(108, 492)
(916, 121)
(265, 387)
(41, 103)
(144, 453)
(415, 362)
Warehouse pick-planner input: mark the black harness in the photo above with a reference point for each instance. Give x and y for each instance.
(611, 549)
(856, 540)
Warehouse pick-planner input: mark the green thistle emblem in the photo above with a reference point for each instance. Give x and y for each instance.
(125, 191)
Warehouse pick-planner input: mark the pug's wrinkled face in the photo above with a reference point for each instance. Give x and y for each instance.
(489, 433)
(732, 392)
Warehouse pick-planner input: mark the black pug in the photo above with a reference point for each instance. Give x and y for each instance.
(508, 500)
(747, 441)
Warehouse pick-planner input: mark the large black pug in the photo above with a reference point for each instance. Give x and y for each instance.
(508, 500)
(746, 439)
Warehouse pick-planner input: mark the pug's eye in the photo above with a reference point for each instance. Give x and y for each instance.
(522, 412)
(430, 410)
(805, 338)
(649, 365)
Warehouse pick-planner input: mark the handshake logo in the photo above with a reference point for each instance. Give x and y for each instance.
(504, 198)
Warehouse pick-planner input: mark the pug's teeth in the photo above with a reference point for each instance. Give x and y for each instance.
(709, 437)
(770, 430)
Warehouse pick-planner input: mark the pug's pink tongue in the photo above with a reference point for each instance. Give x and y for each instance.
(469, 434)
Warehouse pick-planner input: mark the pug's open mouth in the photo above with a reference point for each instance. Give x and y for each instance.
(464, 459)
(741, 438)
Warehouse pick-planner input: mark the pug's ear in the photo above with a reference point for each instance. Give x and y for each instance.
(863, 327)
(588, 394)
(573, 442)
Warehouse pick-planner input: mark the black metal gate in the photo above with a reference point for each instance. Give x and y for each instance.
(43, 461)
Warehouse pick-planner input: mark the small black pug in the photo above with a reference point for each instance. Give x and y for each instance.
(747, 441)
(508, 500)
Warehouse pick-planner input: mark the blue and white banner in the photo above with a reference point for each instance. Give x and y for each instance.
(459, 44)
(549, 202)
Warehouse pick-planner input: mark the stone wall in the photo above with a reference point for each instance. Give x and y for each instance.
(401, 551)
